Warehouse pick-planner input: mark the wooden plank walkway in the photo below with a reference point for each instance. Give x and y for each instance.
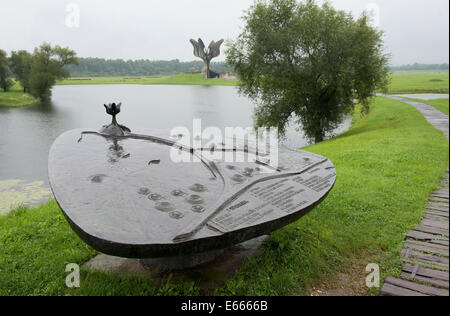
(426, 254)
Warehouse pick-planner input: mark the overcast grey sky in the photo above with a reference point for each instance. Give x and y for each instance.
(416, 30)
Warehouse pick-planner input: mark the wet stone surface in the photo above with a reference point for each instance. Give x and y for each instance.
(124, 202)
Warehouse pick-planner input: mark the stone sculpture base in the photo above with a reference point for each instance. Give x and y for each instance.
(209, 270)
(210, 74)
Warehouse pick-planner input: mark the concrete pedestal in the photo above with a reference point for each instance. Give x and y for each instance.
(182, 262)
(209, 270)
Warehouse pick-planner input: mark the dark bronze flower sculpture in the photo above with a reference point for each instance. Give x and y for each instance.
(114, 128)
(206, 55)
(113, 109)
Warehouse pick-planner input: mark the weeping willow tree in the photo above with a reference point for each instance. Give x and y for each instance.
(303, 61)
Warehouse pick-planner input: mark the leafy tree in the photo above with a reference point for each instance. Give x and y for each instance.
(307, 62)
(47, 66)
(20, 65)
(5, 81)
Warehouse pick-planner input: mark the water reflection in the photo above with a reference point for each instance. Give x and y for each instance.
(26, 134)
(116, 151)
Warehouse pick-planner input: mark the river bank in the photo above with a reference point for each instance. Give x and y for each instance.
(179, 79)
(16, 99)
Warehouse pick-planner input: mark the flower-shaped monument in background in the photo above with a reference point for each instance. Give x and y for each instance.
(206, 55)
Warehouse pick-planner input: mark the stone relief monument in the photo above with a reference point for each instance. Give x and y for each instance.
(207, 55)
(123, 195)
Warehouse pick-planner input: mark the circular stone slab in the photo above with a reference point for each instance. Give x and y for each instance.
(128, 197)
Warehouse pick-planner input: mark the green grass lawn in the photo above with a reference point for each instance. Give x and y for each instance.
(180, 79)
(387, 164)
(16, 98)
(419, 82)
(440, 104)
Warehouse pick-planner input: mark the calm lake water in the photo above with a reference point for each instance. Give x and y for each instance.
(26, 134)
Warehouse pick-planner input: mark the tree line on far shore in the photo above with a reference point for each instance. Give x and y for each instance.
(100, 67)
(421, 67)
(37, 72)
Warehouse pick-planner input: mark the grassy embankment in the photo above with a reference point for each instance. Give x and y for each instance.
(419, 82)
(15, 97)
(402, 82)
(387, 164)
(180, 79)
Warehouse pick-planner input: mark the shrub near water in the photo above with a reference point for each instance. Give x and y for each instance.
(387, 164)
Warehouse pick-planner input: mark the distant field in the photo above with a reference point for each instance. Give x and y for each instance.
(419, 82)
(181, 79)
(402, 82)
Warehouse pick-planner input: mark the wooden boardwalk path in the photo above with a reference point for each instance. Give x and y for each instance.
(426, 254)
